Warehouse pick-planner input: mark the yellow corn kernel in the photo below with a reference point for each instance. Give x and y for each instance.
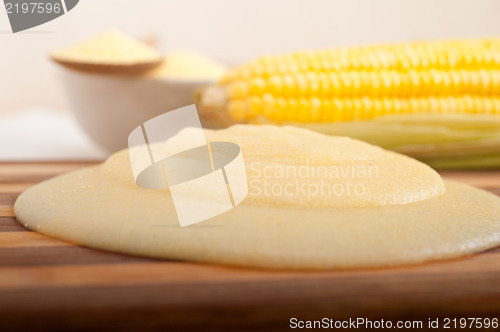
(237, 110)
(256, 105)
(292, 112)
(268, 106)
(237, 90)
(280, 108)
(257, 86)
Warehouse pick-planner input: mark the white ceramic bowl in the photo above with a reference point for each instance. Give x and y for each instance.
(109, 107)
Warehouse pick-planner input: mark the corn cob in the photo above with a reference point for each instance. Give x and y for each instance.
(362, 83)
(436, 101)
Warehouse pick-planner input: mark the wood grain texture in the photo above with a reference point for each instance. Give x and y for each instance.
(15, 188)
(62, 287)
(10, 224)
(7, 211)
(28, 239)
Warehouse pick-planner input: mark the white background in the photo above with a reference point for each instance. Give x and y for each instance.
(230, 30)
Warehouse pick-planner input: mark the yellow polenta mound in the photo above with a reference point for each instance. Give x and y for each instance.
(110, 51)
(314, 202)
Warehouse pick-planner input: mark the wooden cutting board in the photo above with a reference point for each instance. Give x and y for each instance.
(47, 284)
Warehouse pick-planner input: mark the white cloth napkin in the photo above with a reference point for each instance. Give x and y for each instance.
(39, 134)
